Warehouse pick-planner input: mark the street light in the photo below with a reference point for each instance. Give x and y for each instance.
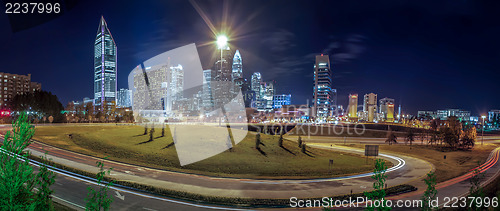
(482, 133)
(222, 41)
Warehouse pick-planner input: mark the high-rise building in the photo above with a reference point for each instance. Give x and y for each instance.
(176, 82)
(153, 94)
(281, 100)
(124, 98)
(427, 115)
(390, 112)
(323, 92)
(369, 100)
(207, 92)
(222, 83)
(237, 73)
(256, 81)
(459, 113)
(384, 108)
(493, 116)
(268, 95)
(104, 67)
(370, 106)
(14, 84)
(237, 67)
(353, 107)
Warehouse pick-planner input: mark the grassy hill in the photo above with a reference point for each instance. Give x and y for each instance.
(128, 144)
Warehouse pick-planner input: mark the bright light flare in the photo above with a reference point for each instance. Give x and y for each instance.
(221, 41)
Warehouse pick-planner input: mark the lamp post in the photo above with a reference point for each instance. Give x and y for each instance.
(482, 133)
(221, 44)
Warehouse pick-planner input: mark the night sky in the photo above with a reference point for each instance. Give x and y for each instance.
(428, 55)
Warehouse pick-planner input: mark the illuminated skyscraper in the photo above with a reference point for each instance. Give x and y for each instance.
(104, 68)
(237, 66)
(353, 107)
(207, 92)
(176, 85)
(222, 84)
(323, 96)
(124, 98)
(387, 108)
(370, 106)
(255, 83)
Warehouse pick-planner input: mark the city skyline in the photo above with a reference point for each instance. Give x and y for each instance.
(403, 68)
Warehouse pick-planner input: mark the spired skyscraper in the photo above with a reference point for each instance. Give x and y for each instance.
(104, 68)
(237, 73)
(237, 66)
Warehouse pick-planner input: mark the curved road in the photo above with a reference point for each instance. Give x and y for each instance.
(72, 190)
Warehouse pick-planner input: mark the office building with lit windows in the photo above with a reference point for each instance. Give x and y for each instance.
(104, 68)
(462, 115)
(237, 73)
(207, 101)
(281, 100)
(352, 109)
(14, 84)
(323, 96)
(370, 106)
(386, 108)
(255, 82)
(124, 98)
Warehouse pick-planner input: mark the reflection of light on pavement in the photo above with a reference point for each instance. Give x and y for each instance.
(401, 163)
(93, 181)
(487, 165)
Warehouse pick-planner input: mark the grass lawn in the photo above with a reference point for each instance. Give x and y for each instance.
(456, 163)
(128, 144)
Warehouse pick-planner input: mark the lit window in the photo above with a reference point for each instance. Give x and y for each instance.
(5, 88)
(5, 80)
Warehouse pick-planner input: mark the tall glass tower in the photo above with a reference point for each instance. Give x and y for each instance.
(323, 93)
(237, 66)
(104, 68)
(237, 73)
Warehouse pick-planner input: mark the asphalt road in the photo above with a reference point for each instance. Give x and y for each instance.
(72, 190)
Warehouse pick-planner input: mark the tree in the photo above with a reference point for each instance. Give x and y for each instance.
(257, 141)
(410, 136)
(17, 179)
(89, 111)
(391, 137)
(99, 199)
(151, 132)
(430, 193)
(434, 124)
(468, 138)
(163, 131)
(41, 103)
(300, 141)
(280, 140)
(378, 193)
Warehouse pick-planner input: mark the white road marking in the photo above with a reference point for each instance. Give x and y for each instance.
(118, 195)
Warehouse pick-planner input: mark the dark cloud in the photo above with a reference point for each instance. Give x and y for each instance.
(279, 41)
(345, 49)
